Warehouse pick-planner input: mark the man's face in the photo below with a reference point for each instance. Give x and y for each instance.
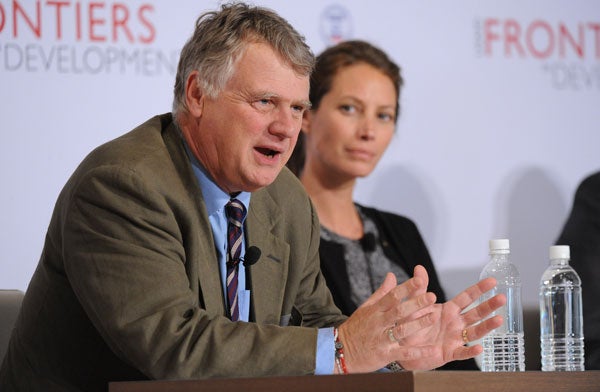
(247, 133)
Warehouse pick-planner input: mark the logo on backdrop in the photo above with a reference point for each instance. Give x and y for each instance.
(81, 37)
(335, 24)
(569, 53)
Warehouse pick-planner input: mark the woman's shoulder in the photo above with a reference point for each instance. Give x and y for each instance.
(386, 216)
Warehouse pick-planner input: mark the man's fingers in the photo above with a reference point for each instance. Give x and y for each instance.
(410, 288)
(480, 330)
(413, 309)
(467, 352)
(406, 328)
(388, 284)
(472, 293)
(484, 309)
(417, 285)
(420, 272)
(414, 353)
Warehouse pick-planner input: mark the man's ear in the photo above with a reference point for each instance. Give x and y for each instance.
(306, 121)
(194, 97)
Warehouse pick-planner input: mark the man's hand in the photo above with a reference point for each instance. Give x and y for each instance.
(448, 335)
(402, 323)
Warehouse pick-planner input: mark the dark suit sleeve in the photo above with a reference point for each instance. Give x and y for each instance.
(582, 233)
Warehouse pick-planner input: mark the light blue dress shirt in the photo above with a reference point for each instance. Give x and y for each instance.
(216, 199)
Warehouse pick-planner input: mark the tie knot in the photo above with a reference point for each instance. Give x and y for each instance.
(235, 211)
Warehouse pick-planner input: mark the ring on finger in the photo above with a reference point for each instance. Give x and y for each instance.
(390, 333)
(465, 338)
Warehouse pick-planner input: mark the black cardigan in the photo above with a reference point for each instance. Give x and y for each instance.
(402, 244)
(582, 233)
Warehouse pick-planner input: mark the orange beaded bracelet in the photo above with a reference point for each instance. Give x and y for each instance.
(340, 361)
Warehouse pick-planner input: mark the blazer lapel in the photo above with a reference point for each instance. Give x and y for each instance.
(206, 268)
(269, 274)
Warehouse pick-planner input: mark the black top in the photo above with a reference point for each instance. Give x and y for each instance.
(402, 244)
(582, 233)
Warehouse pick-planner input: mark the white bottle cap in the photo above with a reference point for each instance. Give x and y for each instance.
(560, 252)
(500, 246)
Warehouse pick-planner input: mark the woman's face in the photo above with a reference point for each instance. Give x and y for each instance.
(353, 125)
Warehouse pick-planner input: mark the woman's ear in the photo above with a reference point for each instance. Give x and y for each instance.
(194, 97)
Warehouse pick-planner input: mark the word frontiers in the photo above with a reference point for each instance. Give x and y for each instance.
(76, 20)
(91, 59)
(538, 39)
(569, 52)
(78, 37)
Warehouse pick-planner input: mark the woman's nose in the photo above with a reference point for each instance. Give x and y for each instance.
(366, 130)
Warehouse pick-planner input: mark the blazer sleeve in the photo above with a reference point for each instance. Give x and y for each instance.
(125, 258)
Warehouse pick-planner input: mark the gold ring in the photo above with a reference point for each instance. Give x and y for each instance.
(464, 336)
(390, 333)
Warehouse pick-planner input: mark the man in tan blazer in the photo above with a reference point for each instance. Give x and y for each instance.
(129, 285)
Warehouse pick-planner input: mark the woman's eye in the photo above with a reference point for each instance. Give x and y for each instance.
(386, 117)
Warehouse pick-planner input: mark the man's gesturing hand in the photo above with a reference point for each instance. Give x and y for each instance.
(403, 323)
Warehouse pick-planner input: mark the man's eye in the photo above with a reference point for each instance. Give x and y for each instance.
(348, 108)
(298, 108)
(262, 104)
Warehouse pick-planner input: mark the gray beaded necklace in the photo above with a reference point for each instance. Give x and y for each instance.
(366, 264)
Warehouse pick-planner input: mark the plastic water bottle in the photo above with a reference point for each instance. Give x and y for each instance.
(561, 315)
(504, 347)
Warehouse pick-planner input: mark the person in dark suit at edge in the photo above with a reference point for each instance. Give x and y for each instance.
(582, 233)
(355, 95)
(147, 270)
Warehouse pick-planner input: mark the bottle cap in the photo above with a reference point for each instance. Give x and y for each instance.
(500, 246)
(560, 252)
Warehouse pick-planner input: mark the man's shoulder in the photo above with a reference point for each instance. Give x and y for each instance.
(287, 187)
(288, 193)
(148, 151)
(146, 135)
(145, 141)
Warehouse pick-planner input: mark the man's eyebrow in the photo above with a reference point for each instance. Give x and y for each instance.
(268, 95)
(307, 104)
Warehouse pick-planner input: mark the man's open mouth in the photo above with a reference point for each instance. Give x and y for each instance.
(267, 152)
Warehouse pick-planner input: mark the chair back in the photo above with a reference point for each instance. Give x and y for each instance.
(10, 303)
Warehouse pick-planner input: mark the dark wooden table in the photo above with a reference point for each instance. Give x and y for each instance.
(432, 381)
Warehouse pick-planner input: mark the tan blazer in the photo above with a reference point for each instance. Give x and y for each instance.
(128, 284)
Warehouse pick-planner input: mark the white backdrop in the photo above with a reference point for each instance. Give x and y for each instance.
(500, 113)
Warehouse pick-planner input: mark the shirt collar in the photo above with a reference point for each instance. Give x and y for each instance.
(214, 197)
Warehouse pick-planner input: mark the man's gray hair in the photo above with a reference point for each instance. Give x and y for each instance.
(221, 37)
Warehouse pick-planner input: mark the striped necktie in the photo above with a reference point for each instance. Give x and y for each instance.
(235, 212)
